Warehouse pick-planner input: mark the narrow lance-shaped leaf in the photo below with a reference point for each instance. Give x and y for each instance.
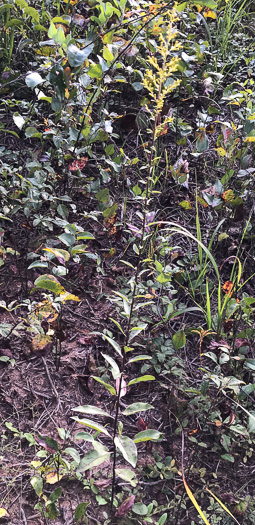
(91, 424)
(91, 409)
(108, 387)
(112, 362)
(140, 379)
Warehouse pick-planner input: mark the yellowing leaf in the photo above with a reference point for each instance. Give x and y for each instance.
(68, 297)
(3, 513)
(210, 14)
(221, 151)
(222, 505)
(53, 477)
(249, 139)
(186, 205)
(194, 501)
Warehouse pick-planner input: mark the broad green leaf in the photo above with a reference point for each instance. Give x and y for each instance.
(84, 236)
(91, 409)
(137, 407)
(127, 475)
(52, 31)
(37, 484)
(179, 339)
(73, 453)
(108, 387)
(95, 71)
(91, 424)
(15, 22)
(55, 495)
(31, 11)
(140, 509)
(103, 195)
(50, 283)
(67, 238)
(140, 379)
(93, 458)
(127, 448)
(76, 57)
(32, 132)
(147, 435)
(84, 435)
(80, 512)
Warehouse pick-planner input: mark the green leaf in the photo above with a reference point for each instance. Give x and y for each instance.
(140, 379)
(32, 132)
(91, 409)
(38, 264)
(52, 31)
(84, 435)
(207, 3)
(76, 57)
(15, 22)
(137, 407)
(228, 457)
(110, 212)
(93, 458)
(114, 344)
(73, 453)
(37, 484)
(127, 448)
(108, 387)
(55, 495)
(127, 475)
(147, 435)
(140, 509)
(31, 11)
(50, 283)
(103, 195)
(162, 519)
(91, 424)
(95, 71)
(67, 238)
(138, 358)
(112, 362)
(80, 513)
(179, 339)
(84, 236)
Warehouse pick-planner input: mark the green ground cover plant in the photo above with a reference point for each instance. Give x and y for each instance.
(127, 262)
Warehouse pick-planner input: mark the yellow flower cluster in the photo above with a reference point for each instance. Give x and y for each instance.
(156, 79)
